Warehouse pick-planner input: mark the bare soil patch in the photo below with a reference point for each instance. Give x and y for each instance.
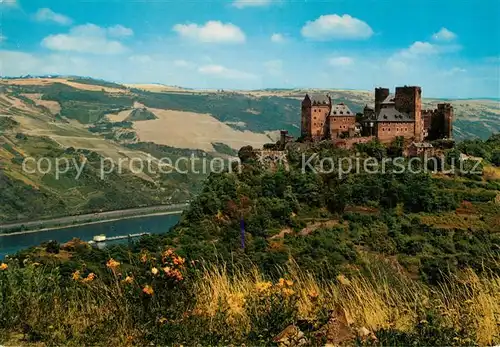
(52, 106)
(194, 130)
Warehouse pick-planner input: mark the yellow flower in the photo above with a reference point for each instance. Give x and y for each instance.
(144, 258)
(154, 271)
(90, 277)
(263, 287)
(167, 269)
(162, 320)
(76, 275)
(281, 282)
(289, 283)
(128, 280)
(3, 267)
(288, 292)
(112, 264)
(168, 252)
(148, 290)
(236, 303)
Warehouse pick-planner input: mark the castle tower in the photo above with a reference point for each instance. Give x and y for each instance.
(446, 110)
(409, 100)
(315, 111)
(380, 95)
(305, 128)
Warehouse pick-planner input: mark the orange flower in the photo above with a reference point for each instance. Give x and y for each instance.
(144, 258)
(179, 261)
(154, 271)
(90, 277)
(76, 275)
(167, 269)
(283, 283)
(168, 252)
(288, 291)
(148, 290)
(128, 280)
(3, 267)
(112, 264)
(313, 294)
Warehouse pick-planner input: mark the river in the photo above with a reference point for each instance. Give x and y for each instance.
(10, 244)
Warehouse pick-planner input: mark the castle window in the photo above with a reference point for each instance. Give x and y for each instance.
(334, 112)
(341, 112)
(348, 112)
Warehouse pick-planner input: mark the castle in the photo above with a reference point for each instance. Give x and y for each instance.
(395, 115)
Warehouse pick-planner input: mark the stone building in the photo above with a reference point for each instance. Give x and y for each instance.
(395, 115)
(322, 119)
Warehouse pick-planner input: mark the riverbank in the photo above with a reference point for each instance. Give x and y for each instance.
(89, 223)
(94, 218)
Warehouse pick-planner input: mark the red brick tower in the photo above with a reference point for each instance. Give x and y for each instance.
(315, 111)
(409, 100)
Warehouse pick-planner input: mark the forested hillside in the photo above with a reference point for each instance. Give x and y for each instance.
(278, 255)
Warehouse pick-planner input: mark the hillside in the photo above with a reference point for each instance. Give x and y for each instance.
(386, 259)
(76, 118)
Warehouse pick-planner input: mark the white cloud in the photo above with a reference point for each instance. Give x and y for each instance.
(444, 35)
(47, 15)
(141, 59)
(212, 31)
(15, 63)
(9, 3)
(455, 71)
(251, 3)
(341, 61)
(183, 63)
(220, 71)
(120, 31)
(88, 38)
(419, 48)
(334, 26)
(277, 38)
(274, 67)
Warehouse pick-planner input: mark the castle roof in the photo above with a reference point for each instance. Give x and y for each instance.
(422, 145)
(390, 114)
(341, 109)
(319, 99)
(390, 99)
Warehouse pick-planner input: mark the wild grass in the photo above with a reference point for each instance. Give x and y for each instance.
(467, 305)
(225, 307)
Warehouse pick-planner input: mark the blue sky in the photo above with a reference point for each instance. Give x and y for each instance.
(449, 47)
